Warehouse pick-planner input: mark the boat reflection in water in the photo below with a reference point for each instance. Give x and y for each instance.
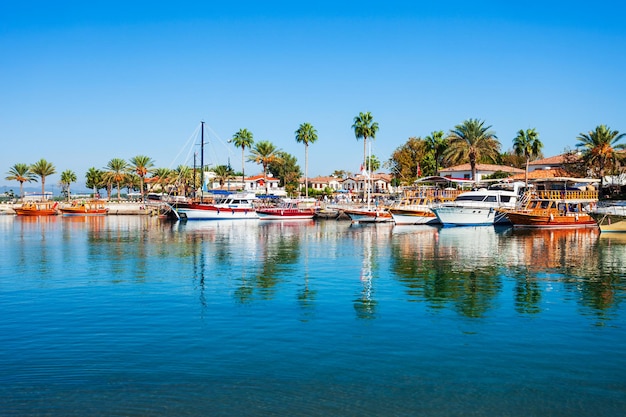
(469, 268)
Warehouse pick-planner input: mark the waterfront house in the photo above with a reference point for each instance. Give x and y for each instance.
(464, 171)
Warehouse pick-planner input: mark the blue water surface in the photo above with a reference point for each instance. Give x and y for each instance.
(133, 316)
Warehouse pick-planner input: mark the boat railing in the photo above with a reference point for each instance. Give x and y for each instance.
(590, 195)
(433, 194)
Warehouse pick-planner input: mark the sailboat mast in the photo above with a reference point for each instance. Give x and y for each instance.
(201, 161)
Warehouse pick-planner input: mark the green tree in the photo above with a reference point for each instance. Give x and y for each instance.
(94, 179)
(43, 169)
(472, 141)
(243, 139)
(527, 145)
(264, 153)
(365, 127)
(600, 149)
(404, 160)
(115, 171)
(436, 144)
(67, 178)
(21, 173)
(306, 134)
(141, 165)
(286, 169)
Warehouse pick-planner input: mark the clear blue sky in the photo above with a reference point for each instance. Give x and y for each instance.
(82, 82)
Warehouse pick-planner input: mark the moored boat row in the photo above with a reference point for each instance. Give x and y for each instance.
(556, 204)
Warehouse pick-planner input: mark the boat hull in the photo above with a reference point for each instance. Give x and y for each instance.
(83, 214)
(469, 216)
(285, 214)
(366, 216)
(408, 217)
(610, 222)
(551, 221)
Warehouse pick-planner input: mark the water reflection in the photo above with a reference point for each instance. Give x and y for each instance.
(470, 270)
(467, 267)
(368, 237)
(445, 266)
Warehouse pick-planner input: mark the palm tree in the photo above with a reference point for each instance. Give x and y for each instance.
(528, 145)
(142, 166)
(164, 178)
(373, 162)
(472, 141)
(243, 139)
(94, 179)
(600, 148)
(365, 127)
(222, 174)
(437, 144)
(115, 172)
(264, 153)
(67, 177)
(43, 169)
(184, 177)
(306, 134)
(21, 173)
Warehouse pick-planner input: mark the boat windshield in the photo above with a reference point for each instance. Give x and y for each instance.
(473, 197)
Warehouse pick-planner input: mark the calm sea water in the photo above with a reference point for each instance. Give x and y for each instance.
(129, 316)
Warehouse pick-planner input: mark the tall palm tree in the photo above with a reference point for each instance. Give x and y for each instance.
(600, 149)
(43, 169)
(243, 139)
(94, 179)
(437, 144)
(528, 145)
(142, 165)
(472, 141)
(264, 153)
(67, 178)
(306, 134)
(21, 173)
(365, 127)
(116, 170)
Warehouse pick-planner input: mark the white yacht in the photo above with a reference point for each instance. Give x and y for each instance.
(480, 207)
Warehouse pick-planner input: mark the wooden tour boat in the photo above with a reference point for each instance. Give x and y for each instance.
(85, 208)
(555, 204)
(45, 208)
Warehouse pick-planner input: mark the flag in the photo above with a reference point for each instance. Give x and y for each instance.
(364, 172)
(419, 170)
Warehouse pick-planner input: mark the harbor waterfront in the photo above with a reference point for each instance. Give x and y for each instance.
(134, 316)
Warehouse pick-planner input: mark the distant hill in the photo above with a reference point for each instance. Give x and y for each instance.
(56, 190)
